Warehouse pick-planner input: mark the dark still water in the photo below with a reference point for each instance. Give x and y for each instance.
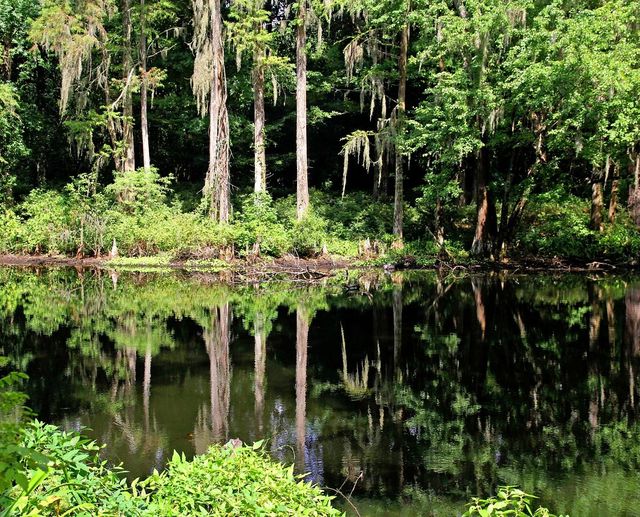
(414, 392)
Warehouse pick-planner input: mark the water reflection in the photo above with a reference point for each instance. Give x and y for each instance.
(411, 390)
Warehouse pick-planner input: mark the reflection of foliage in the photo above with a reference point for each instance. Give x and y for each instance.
(488, 382)
(619, 444)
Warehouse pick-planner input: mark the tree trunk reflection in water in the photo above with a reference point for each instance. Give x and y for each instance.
(480, 312)
(397, 302)
(632, 305)
(302, 338)
(397, 330)
(216, 338)
(595, 321)
(146, 387)
(260, 361)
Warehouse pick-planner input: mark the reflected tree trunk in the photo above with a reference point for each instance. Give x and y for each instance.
(611, 324)
(397, 329)
(595, 323)
(302, 340)
(260, 361)
(632, 329)
(481, 314)
(217, 339)
(146, 386)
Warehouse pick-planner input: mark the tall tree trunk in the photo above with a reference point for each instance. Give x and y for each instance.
(633, 203)
(502, 240)
(439, 223)
(217, 183)
(615, 187)
(398, 198)
(597, 203)
(486, 210)
(302, 339)
(129, 163)
(144, 86)
(302, 180)
(260, 167)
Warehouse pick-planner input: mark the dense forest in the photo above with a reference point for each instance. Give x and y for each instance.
(220, 128)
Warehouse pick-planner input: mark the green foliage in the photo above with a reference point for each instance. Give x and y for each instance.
(12, 146)
(557, 224)
(140, 191)
(509, 501)
(74, 478)
(46, 471)
(12, 414)
(234, 481)
(258, 225)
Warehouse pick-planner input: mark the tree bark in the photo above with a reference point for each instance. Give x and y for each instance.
(633, 203)
(144, 125)
(486, 210)
(439, 223)
(597, 204)
(217, 184)
(260, 160)
(398, 198)
(501, 243)
(129, 162)
(613, 199)
(302, 180)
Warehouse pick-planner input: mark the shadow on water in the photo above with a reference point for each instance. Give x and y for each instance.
(411, 393)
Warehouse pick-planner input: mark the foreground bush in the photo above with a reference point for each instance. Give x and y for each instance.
(74, 480)
(230, 481)
(509, 501)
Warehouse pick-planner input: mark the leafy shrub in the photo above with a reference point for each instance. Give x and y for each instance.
(309, 235)
(46, 223)
(557, 224)
(73, 480)
(12, 413)
(139, 191)
(234, 481)
(258, 224)
(510, 501)
(11, 226)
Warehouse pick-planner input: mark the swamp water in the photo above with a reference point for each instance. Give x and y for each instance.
(411, 392)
